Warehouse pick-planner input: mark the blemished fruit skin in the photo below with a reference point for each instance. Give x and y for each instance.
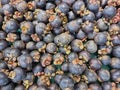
(59, 44)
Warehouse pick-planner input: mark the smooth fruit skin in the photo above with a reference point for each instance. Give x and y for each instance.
(107, 86)
(91, 46)
(77, 6)
(109, 12)
(66, 82)
(95, 87)
(3, 79)
(115, 63)
(9, 86)
(76, 68)
(25, 61)
(105, 59)
(3, 44)
(116, 51)
(81, 86)
(42, 16)
(73, 26)
(91, 76)
(102, 25)
(39, 28)
(100, 38)
(63, 7)
(53, 87)
(19, 74)
(95, 64)
(63, 39)
(11, 26)
(115, 75)
(19, 87)
(104, 75)
(72, 56)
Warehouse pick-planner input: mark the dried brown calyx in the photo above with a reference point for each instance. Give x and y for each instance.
(35, 37)
(17, 15)
(77, 61)
(11, 37)
(45, 79)
(28, 15)
(113, 2)
(94, 1)
(39, 74)
(31, 5)
(58, 61)
(116, 18)
(15, 2)
(46, 61)
(48, 28)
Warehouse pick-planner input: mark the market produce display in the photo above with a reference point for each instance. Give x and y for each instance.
(59, 44)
